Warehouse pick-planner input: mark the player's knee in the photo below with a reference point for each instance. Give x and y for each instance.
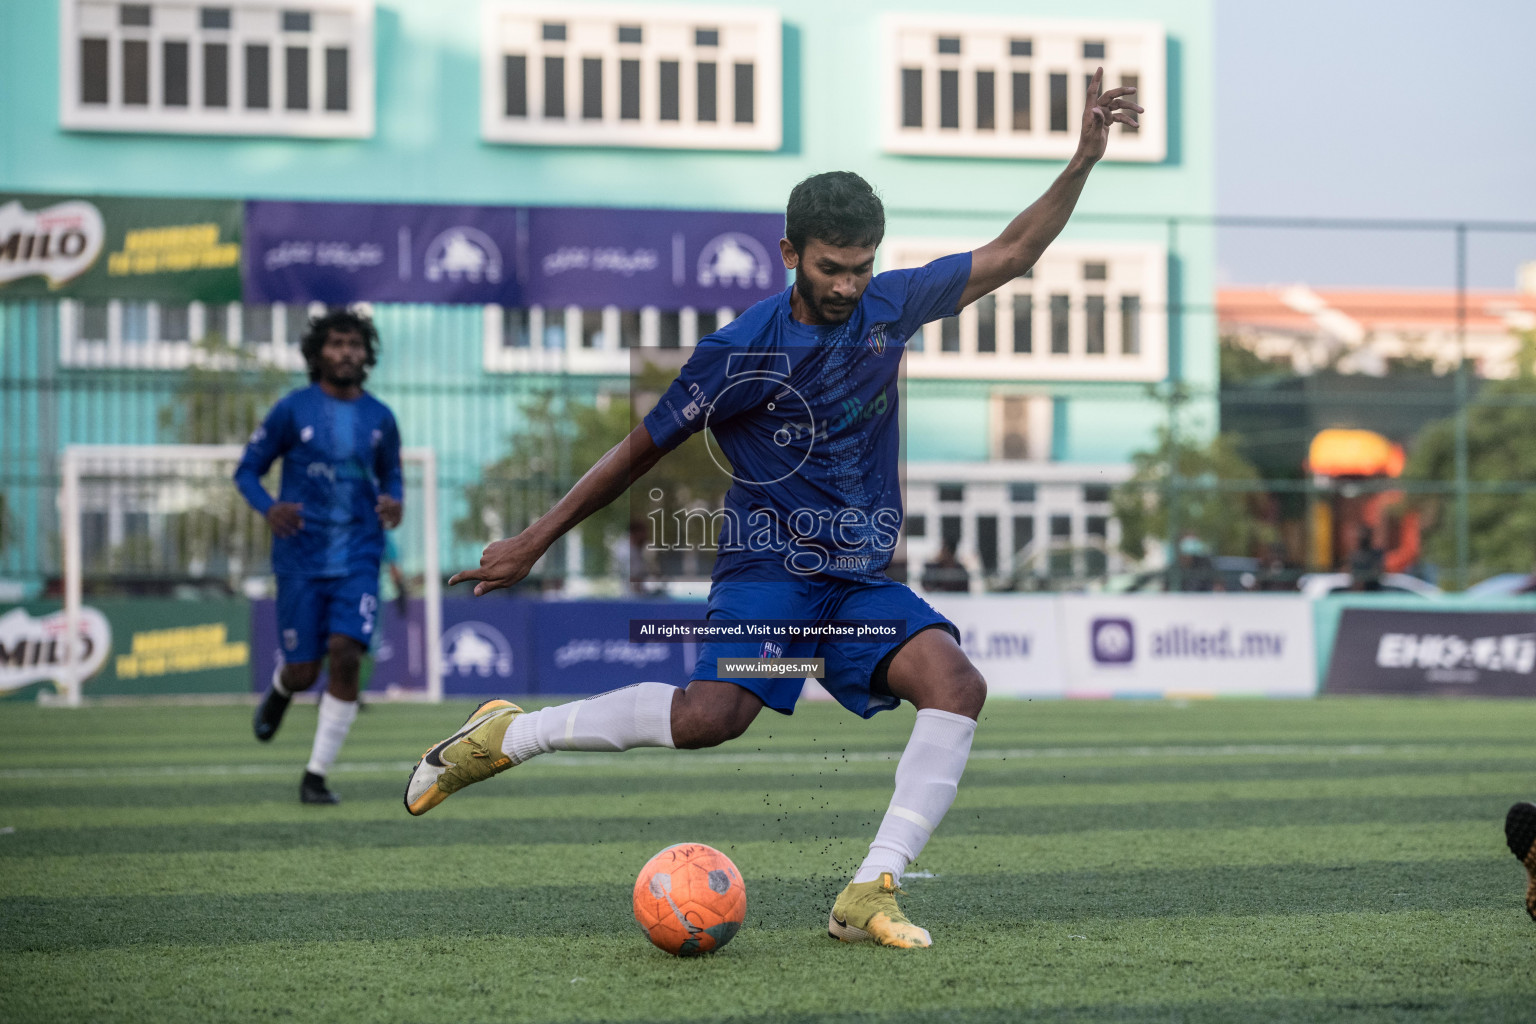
(346, 656)
(697, 724)
(970, 692)
(300, 676)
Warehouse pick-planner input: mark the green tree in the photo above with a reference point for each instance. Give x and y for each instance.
(210, 532)
(223, 396)
(561, 436)
(1240, 364)
(1502, 527)
(1230, 521)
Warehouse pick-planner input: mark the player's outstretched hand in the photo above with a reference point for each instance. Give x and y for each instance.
(389, 510)
(502, 564)
(1102, 110)
(286, 518)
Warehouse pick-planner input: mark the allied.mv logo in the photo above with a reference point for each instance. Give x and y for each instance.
(1112, 641)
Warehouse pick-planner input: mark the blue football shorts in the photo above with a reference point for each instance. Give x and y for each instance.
(309, 610)
(855, 672)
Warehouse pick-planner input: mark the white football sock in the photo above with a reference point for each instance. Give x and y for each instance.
(336, 718)
(635, 716)
(926, 779)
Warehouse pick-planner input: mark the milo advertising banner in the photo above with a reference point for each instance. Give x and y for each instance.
(35, 647)
(107, 247)
(129, 646)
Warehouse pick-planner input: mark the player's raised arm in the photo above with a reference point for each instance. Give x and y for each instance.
(505, 562)
(1015, 250)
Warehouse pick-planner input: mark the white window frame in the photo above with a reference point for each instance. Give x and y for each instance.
(1133, 268)
(510, 28)
(1039, 416)
(609, 359)
(1132, 47)
(334, 23)
(1058, 492)
(156, 353)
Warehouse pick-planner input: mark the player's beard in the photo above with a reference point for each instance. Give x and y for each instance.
(344, 375)
(808, 296)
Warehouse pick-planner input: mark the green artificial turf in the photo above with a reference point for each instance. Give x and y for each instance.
(1224, 861)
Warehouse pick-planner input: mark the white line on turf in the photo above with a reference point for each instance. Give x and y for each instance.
(686, 760)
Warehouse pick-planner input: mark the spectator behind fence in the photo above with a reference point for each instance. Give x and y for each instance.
(945, 573)
(1365, 562)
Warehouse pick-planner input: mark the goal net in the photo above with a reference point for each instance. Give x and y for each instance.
(167, 520)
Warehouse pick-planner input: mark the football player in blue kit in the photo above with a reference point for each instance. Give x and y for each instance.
(800, 395)
(341, 489)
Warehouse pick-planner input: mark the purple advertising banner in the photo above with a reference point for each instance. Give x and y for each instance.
(663, 258)
(502, 647)
(399, 647)
(339, 253)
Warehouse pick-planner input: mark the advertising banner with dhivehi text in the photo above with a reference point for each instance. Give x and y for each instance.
(113, 247)
(510, 256)
(339, 253)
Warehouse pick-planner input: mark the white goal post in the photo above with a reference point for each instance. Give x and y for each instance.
(179, 478)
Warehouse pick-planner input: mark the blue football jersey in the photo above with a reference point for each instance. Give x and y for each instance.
(808, 419)
(338, 457)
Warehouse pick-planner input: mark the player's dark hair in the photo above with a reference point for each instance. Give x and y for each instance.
(837, 207)
(344, 320)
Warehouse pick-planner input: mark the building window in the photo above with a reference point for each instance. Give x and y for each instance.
(1093, 310)
(1061, 325)
(660, 80)
(986, 544)
(134, 334)
(1077, 314)
(1096, 557)
(917, 526)
(1130, 325)
(1059, 120)
(1014, 428)
(1021, 429)
(587, 340)
(1023, 534)
(133, 68)
(1060, 563)
(986, 324)
(1021, 493)
(951, 492)
(943, 74)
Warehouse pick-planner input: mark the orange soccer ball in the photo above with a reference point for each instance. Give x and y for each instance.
(690, 899)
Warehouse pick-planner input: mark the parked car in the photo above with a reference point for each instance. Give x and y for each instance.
(1321, 584)
(1229, 573)
(1505, 584)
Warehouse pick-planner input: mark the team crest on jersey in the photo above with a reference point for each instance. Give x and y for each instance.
(876, 339)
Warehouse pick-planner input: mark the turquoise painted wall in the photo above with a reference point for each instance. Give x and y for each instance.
(427, 147)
